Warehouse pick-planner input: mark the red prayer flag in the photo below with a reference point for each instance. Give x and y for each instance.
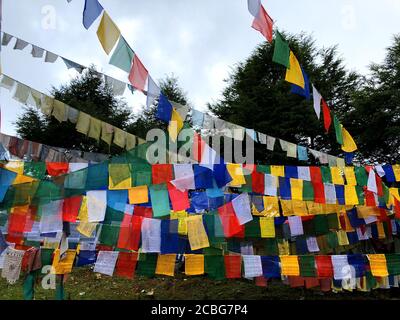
(57, 168)
(311, 282)
(138, 75)
(162, 173)
(369, 198)
(125, 237)
(326, 284)
(315, 174)
(136, 231)
(230, 222)
(319, 192)
(324, 266)
(327, 115)
(264, 24)
(126, 264)
(71, 208)
(396, 208)
(145, 212)
(179, 199)
(296, 281)
(257, 180)
(233, 266)
(261, 281)
(198, 147)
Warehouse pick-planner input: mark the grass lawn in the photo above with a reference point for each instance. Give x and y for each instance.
(84, 284)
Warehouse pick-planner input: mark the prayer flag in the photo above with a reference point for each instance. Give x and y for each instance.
(138, 74)
(294, 73)
(91, 12)
(122, 56)
(108, 33)
(327, 115)
(263, 23)
(281, 51)
(348, 143)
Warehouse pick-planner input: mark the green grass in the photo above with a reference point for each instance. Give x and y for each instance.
(84, 284)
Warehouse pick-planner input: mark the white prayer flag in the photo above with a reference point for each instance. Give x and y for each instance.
(296, 226)
(317, 101)
(254, 7)
(241, 205)
(252, 266)
(96, 205)
(341, 267)
(50, 57)
(304, 173)
(312, 244)
(330, 193)
(270, 185)
(371, 185)
(184, 177)
(105, 262)
(270, 143)
(151, 235)
(51, 217)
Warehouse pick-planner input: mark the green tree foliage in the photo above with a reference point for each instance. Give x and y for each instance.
(258, 97)
(87, 93)
(374, 119)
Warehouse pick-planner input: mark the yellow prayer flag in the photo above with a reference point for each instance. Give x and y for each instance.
(314, 208)
(175, 125)
(123, 185)
(86, 228)
(294, 74)
(108, 33)
(196, 233)
(83, 123)
(236, 172)
(290, 265)
(166, 264)
(350, 195)
(381, 230)
(378, 265)
(194, 264)
(283, 247)
(297, 189)
(267, 227)
(271, 206)
(348, 143)
(337, 175)
(130, 141)
(138, 195)
(119, 137)
(278, 171)
(299, 208)
(287, 208)
(107, 132)
(182, 224)
(94, 129)
(342, 238)
(396, 171)
(65, 265)
(350, 176)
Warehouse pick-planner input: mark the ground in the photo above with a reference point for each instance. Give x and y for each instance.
(84, 284)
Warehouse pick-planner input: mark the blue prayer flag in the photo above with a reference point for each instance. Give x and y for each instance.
(91, 12)
(164, 109)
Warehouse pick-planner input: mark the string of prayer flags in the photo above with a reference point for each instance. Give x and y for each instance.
(294, 73)
(91, 12)
(108, 33)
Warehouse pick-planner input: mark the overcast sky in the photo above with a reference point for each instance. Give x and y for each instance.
(197, 40)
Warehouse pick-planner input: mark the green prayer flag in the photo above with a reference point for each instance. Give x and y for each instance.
(271, 247)
(281, 51)
(123, 55)
(308, 191)
(307, 266)
(393, 264)
(360, 195)
(338, 130)
(159, 200)
(321, 225)
(29, 286)
(332, 240)
(109, 234)
(141, 174)
(214, 266)
(146, 266)
(333, 222)
(252, 228)
(35, 169)
(361, 176)
(119, 172)
(326, 174)
(264, 169)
